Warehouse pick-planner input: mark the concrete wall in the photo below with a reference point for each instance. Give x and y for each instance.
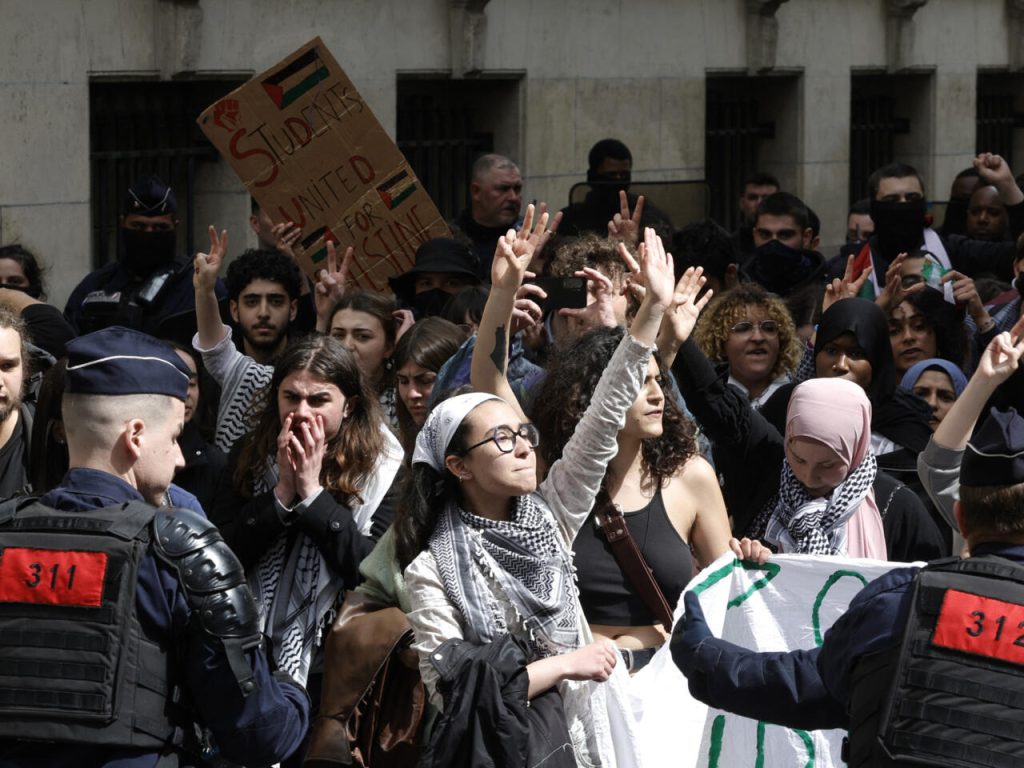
(634, 69)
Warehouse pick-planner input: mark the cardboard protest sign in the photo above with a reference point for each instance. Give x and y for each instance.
(786, 604)
(310, 151)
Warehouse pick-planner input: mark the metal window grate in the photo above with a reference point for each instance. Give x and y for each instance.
(139, 128)
(996, 119)
(873, 130)
(732, 135)
(437, 132)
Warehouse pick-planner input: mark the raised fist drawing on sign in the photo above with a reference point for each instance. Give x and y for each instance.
(225, 114)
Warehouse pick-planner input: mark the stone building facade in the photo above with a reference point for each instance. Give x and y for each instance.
(812, 90)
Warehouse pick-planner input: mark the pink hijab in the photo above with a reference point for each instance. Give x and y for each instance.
(837, 413)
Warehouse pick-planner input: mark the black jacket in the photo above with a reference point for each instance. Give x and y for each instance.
(251, 526)
(487, 720)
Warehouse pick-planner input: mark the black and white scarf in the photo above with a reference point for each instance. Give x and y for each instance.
(810, 526)
(524, 558)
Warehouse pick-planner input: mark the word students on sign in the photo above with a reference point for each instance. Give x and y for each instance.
(309, 149)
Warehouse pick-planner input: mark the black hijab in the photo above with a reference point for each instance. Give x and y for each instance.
(895, 414)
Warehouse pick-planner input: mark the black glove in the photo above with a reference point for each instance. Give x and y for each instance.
(688, 634)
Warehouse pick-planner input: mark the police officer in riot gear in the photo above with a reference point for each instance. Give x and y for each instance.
(149, 288)
(926, 667)
(128, 636)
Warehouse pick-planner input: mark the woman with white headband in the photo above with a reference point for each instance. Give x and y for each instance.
(490, 551)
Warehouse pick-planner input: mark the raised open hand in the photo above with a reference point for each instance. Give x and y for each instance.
(599, 313)
(657, 271)
(207, 265)
(286, 234)
(682, 314)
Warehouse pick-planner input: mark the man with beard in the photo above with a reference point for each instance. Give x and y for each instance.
(899, 207)
(150, 287)
(15, 418)
(263, 293)
(496, 197)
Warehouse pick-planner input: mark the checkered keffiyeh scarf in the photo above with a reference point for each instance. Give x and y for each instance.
(817, 526)
(294, 589)
(524, 559)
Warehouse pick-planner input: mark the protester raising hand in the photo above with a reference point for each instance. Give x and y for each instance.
(204, 279)
(599, 313)
(515, 251)
(994, 170)
(511, 259)
(208, 265)
(658, 275)
(331, 284)
(894, 292)
(625, 226)
(681, 316)
(845, 287)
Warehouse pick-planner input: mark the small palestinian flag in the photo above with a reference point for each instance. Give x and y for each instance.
(327, 235)
(396, 189)
(290, 82)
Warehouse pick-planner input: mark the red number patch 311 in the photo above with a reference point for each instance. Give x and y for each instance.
(52, 577)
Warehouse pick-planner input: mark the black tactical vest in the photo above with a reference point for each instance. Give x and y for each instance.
(75, 665)
(952, 694)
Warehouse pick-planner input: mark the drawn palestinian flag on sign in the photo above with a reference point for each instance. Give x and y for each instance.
(327, 235)
(396, 189)
(290, 82)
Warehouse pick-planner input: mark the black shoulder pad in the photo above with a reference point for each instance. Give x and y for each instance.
(214, 583)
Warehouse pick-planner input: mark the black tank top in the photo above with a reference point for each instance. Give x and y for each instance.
(605, 593)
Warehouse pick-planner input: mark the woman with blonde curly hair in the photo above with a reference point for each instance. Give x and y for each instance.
(751, 332)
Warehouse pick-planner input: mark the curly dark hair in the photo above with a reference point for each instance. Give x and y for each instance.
(351, 454)
(565, 393)
(257, 264)
(714, 327)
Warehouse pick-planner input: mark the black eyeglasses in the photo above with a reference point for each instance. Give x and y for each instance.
(505, 438)
(745, 327)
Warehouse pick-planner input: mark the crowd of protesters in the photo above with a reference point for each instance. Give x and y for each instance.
(461, 459)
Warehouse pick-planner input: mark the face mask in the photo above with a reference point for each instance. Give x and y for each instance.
(146, 252)
(34, 291)
(605, 193)
(430, 303)
(777, 266)
(899, 227)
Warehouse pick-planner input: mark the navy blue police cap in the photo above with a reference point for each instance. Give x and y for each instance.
(120, 361)
(149, 196)
(995, 455)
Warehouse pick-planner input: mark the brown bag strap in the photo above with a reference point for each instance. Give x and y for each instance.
(631, 561)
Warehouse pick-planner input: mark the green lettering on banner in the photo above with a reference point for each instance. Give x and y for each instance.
(718, 734)
(717, 729)
(770, 569)
(829, 582)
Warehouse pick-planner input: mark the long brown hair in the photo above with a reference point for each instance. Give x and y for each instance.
(351, 454)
